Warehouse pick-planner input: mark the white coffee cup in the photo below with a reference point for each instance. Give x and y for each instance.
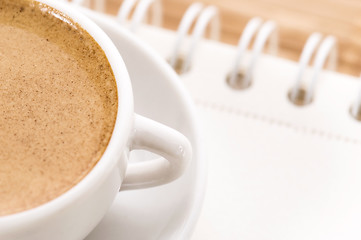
(75, 213)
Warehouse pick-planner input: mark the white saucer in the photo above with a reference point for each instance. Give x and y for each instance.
(170, 211)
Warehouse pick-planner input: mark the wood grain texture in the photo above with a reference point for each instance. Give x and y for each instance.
(296, 19)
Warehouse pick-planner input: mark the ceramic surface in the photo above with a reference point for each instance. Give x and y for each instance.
(169, 211)
(75, 213)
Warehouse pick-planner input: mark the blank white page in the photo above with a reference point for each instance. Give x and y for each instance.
(276, 171)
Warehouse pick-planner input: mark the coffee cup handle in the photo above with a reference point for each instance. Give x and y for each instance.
(155, 137)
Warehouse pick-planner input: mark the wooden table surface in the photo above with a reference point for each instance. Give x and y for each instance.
(297, 19)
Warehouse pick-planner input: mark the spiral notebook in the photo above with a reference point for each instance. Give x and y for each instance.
(283, 137)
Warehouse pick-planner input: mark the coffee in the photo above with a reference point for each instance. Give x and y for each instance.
(58, 104)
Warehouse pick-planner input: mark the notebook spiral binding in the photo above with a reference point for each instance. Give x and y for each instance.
(301, 94)
(141, 10)
(323, 50)
(209, 15)
(355, 109)
(241, 78)
(140, 13)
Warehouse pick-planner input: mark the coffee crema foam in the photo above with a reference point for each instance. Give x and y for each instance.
(58, 104)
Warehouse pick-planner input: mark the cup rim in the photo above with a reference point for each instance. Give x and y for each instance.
(119, 138)
(189, 223)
